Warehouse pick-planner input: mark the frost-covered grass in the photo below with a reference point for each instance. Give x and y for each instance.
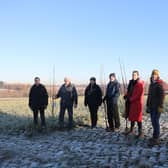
(15, 115)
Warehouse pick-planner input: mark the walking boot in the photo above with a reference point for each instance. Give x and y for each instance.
(130, 132)
(153, 142)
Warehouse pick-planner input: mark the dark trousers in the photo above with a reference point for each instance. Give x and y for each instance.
(93, 115)
(42, 116)
(113, 115)
(139, 126)
(155, 116)
(70, 115)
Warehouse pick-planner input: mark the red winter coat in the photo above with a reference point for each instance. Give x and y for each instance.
(136, 102)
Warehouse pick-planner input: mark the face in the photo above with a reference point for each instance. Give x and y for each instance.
(92, 82)
(135, 76)
(67, 81)
(37, 82)
(155, 77)
(112, 78)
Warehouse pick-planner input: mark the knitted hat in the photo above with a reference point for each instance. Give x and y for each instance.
(93, 79)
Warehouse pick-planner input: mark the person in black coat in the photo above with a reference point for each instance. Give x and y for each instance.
(38, 101)
(69, 98)
(111, 98)
(154, 104)
(93, 99)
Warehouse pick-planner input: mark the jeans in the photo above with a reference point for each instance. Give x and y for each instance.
(155, 116)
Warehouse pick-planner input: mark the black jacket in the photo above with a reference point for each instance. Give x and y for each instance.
(93, 95)
(112, 92)
(155, 94)
(38, 97)
(68, 95)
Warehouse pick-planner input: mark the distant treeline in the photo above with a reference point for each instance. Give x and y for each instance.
(22, 90)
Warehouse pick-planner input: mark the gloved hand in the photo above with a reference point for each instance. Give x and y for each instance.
(45, 106)
(125, 97)
(31, 107)
(160, 109)
(124, 115)
(85, 103)
(147, 109)
(75, 105)
(104, 99)
(100, 102)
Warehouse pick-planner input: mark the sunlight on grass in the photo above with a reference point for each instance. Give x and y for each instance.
(16, 116)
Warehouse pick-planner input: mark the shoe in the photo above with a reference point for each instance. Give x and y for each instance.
(156, 141)
(43, 127)
(140, 135)
(110, 129)
(153, 142)
(94, 127)
(117, 130)
(35, 127)
(61, 126)
(130, 132)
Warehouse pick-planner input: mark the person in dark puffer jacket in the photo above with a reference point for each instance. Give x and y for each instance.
(38, 101)
(155, 105)
(93, 99)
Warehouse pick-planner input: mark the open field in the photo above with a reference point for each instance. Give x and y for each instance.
(16, 115)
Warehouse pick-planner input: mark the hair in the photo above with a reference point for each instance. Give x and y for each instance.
(36, 78)
(135, 71)
(112, 74)
(155, 72)
(93, 79)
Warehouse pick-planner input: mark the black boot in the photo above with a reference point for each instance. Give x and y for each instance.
(140, 134)
(140, 131)
(131, 131)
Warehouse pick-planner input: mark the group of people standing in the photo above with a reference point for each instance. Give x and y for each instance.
(93, 98)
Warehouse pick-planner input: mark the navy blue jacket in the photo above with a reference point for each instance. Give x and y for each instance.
(112, 92)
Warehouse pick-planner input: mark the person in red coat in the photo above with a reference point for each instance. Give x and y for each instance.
(135, 99)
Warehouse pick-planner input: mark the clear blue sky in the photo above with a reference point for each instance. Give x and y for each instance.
(80, 36)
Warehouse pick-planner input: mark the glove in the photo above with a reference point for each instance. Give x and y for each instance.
(100, 102)
(124, 115)
(147, 110)
(160, 109)
(75, 105)
(30, 106)
(104, 99)
(45, 106)
(85, 103)
(125, 97)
